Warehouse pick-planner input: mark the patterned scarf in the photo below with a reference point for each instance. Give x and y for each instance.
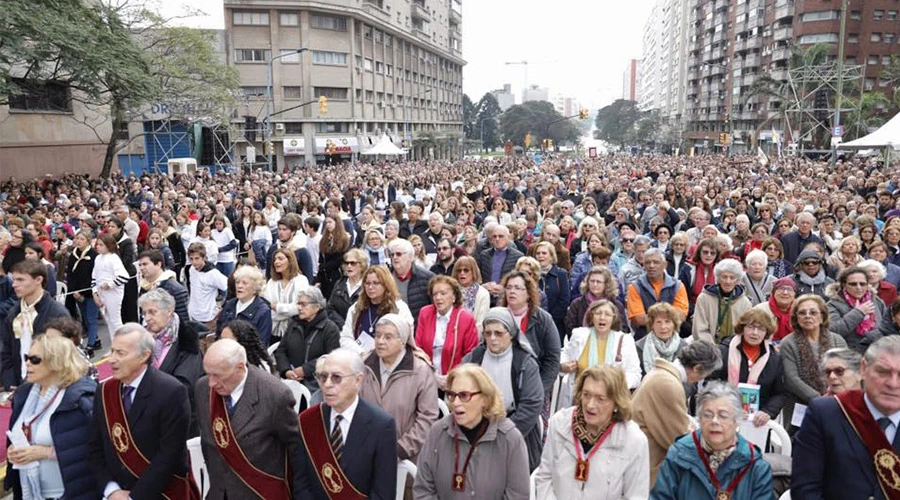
(716, 458)
(83, 256)
(655, 347)
(725, 321)
(165, 338)
(24, 321)
(868, 323)
(469, 295)
(810, 371)
(579, 427)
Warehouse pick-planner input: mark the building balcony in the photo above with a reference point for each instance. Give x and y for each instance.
(779, 74)
(781, 54)
(750, 61)
(784, 33)
(748, 80)
(455, 31)
(424, 35)
(455, 17)
(740, 27)
(419, 11)
(718, 37)
(784, 11)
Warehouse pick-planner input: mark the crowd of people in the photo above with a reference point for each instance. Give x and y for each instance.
(585, 328)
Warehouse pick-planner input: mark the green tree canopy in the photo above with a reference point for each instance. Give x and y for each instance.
(488, 113)
(470, 115)
(539, 119)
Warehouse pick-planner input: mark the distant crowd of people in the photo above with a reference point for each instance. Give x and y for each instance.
(616, 327)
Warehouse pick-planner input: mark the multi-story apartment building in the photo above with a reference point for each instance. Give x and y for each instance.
(631, 78)
(505, 97)
(535, 93)
(731, 44)
(385, 66)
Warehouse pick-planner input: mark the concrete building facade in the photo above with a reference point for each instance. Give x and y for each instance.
(505, 97)
(385, 66)
(535, 93)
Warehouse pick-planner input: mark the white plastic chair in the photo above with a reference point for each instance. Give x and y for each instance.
(271, 349)
(198, 466)
(300, 392)
(779, 436)
(404, 468)
(443, 409)
(61, 290)
(785, 496)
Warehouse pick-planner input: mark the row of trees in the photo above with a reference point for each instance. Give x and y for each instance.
(117, 57)
(486, 126)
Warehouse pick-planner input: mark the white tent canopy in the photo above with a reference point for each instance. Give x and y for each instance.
(888, 135)
(384, 147)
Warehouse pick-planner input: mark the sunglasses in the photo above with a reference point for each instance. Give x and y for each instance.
(839, 371)
(464, 396)
(336, 378)
(35, 360)
(627, 240)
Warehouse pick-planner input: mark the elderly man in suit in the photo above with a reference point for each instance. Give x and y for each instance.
(248, 427)
(138, 447)
(349, 445)
(848, 445)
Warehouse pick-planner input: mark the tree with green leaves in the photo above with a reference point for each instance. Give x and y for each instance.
(542, 121)
(891, 76)
(617, 123)
(486, 125)
(118, 58)
(470, 117)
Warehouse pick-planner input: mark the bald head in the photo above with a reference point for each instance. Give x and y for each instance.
(225, 364)
(226, 351)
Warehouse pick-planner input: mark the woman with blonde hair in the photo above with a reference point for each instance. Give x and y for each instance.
(598, 423)
(418, 244)
(477, 420)
(283, 289)
(476, 298)
(52, 411)
(380, 296)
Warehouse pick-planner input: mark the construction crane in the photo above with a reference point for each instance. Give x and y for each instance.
(524, 65)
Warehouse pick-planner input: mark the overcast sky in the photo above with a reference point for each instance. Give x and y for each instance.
(578, 48)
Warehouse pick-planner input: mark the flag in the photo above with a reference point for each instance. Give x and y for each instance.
(761, 156)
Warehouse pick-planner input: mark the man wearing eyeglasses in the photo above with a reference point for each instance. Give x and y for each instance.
(412, 280)
(349, 445)
(248, 427)
(497, 260)
(446, 258)
(848, 445)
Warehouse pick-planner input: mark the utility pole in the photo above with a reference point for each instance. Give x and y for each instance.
(270, 99)
(840, 83)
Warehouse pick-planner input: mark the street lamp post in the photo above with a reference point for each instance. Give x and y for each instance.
(270, 99)
(481, 123)
(406, 125)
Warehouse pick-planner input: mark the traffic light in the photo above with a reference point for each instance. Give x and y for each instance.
(270, 147)
(323, 105)
(527, 139)
(583, 114)
(549, 144)
(723, 138)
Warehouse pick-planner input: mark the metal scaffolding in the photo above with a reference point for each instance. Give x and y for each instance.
(811, 118)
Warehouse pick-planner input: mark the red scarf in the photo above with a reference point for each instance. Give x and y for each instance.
(783, 318)
(704, 275)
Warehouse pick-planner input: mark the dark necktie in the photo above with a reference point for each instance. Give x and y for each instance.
(337, 438)
(127, 391)
(229, 403)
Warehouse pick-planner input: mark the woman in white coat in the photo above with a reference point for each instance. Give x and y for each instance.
(283, 290)
(594, 450)
(601, 343)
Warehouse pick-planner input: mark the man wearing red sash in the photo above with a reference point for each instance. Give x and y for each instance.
(141, 419)
(248, 427)
(847, 447)
(349, 446)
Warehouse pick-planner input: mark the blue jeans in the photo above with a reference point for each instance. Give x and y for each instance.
(225, 268)
(89, 312)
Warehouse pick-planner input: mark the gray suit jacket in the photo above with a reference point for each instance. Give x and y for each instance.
(265, 426)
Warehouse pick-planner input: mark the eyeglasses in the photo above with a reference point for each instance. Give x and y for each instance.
(722, 416)
(627, 240)
(385, 336)
(516, 288)
(443, 248)
(496, 334)
(809, 313)
(839, 371)
(857, 283)
(809, 263)
(464, 396)
(304, 304)
(351, 262)
(336, 378)
(35, 360)
(398, 254)
(708, 252)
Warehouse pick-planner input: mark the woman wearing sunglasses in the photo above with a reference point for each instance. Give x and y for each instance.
(854, 309)
(841, 370)
(51, 412)
(512, 366)
(450, 468)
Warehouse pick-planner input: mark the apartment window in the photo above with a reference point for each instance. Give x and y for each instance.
(377, 3)
(892, 15)
(367, 32)
(368, 64)
(379, 67)
(332, 127)
(293, 128)
(250, 18)
(389, 70)
(853, 38)
(389, 40)
(251, 55)
(291, 56)
(321, 22)
(49, 96)
(870, 83)
(379, 36)
(339, 93)
(821, 15)
(370, 95)
(888, 38)
(886, 60)
(255, 92)
(289, 19)
(873, 60)
(423, 26)
(329, 58)
(855, 15)
(293, 92)
(358, 94)
(876, 37)
(878, 15)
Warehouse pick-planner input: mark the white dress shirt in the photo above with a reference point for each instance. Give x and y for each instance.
(239, 390)
(112, 486)
(440, 337)
(891, 431)
(347, 418)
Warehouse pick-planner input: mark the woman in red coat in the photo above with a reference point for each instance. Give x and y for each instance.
(448, 344)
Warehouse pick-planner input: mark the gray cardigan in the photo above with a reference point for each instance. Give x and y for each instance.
(799, 390)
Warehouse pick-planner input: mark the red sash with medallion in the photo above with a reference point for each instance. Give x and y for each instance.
(314, 430)
(885, 460)
(180, 487)
(265, 485)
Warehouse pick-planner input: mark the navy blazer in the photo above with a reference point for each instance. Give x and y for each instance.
(830, 462)
(369, 459)
(159, 419)
(11, 348)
